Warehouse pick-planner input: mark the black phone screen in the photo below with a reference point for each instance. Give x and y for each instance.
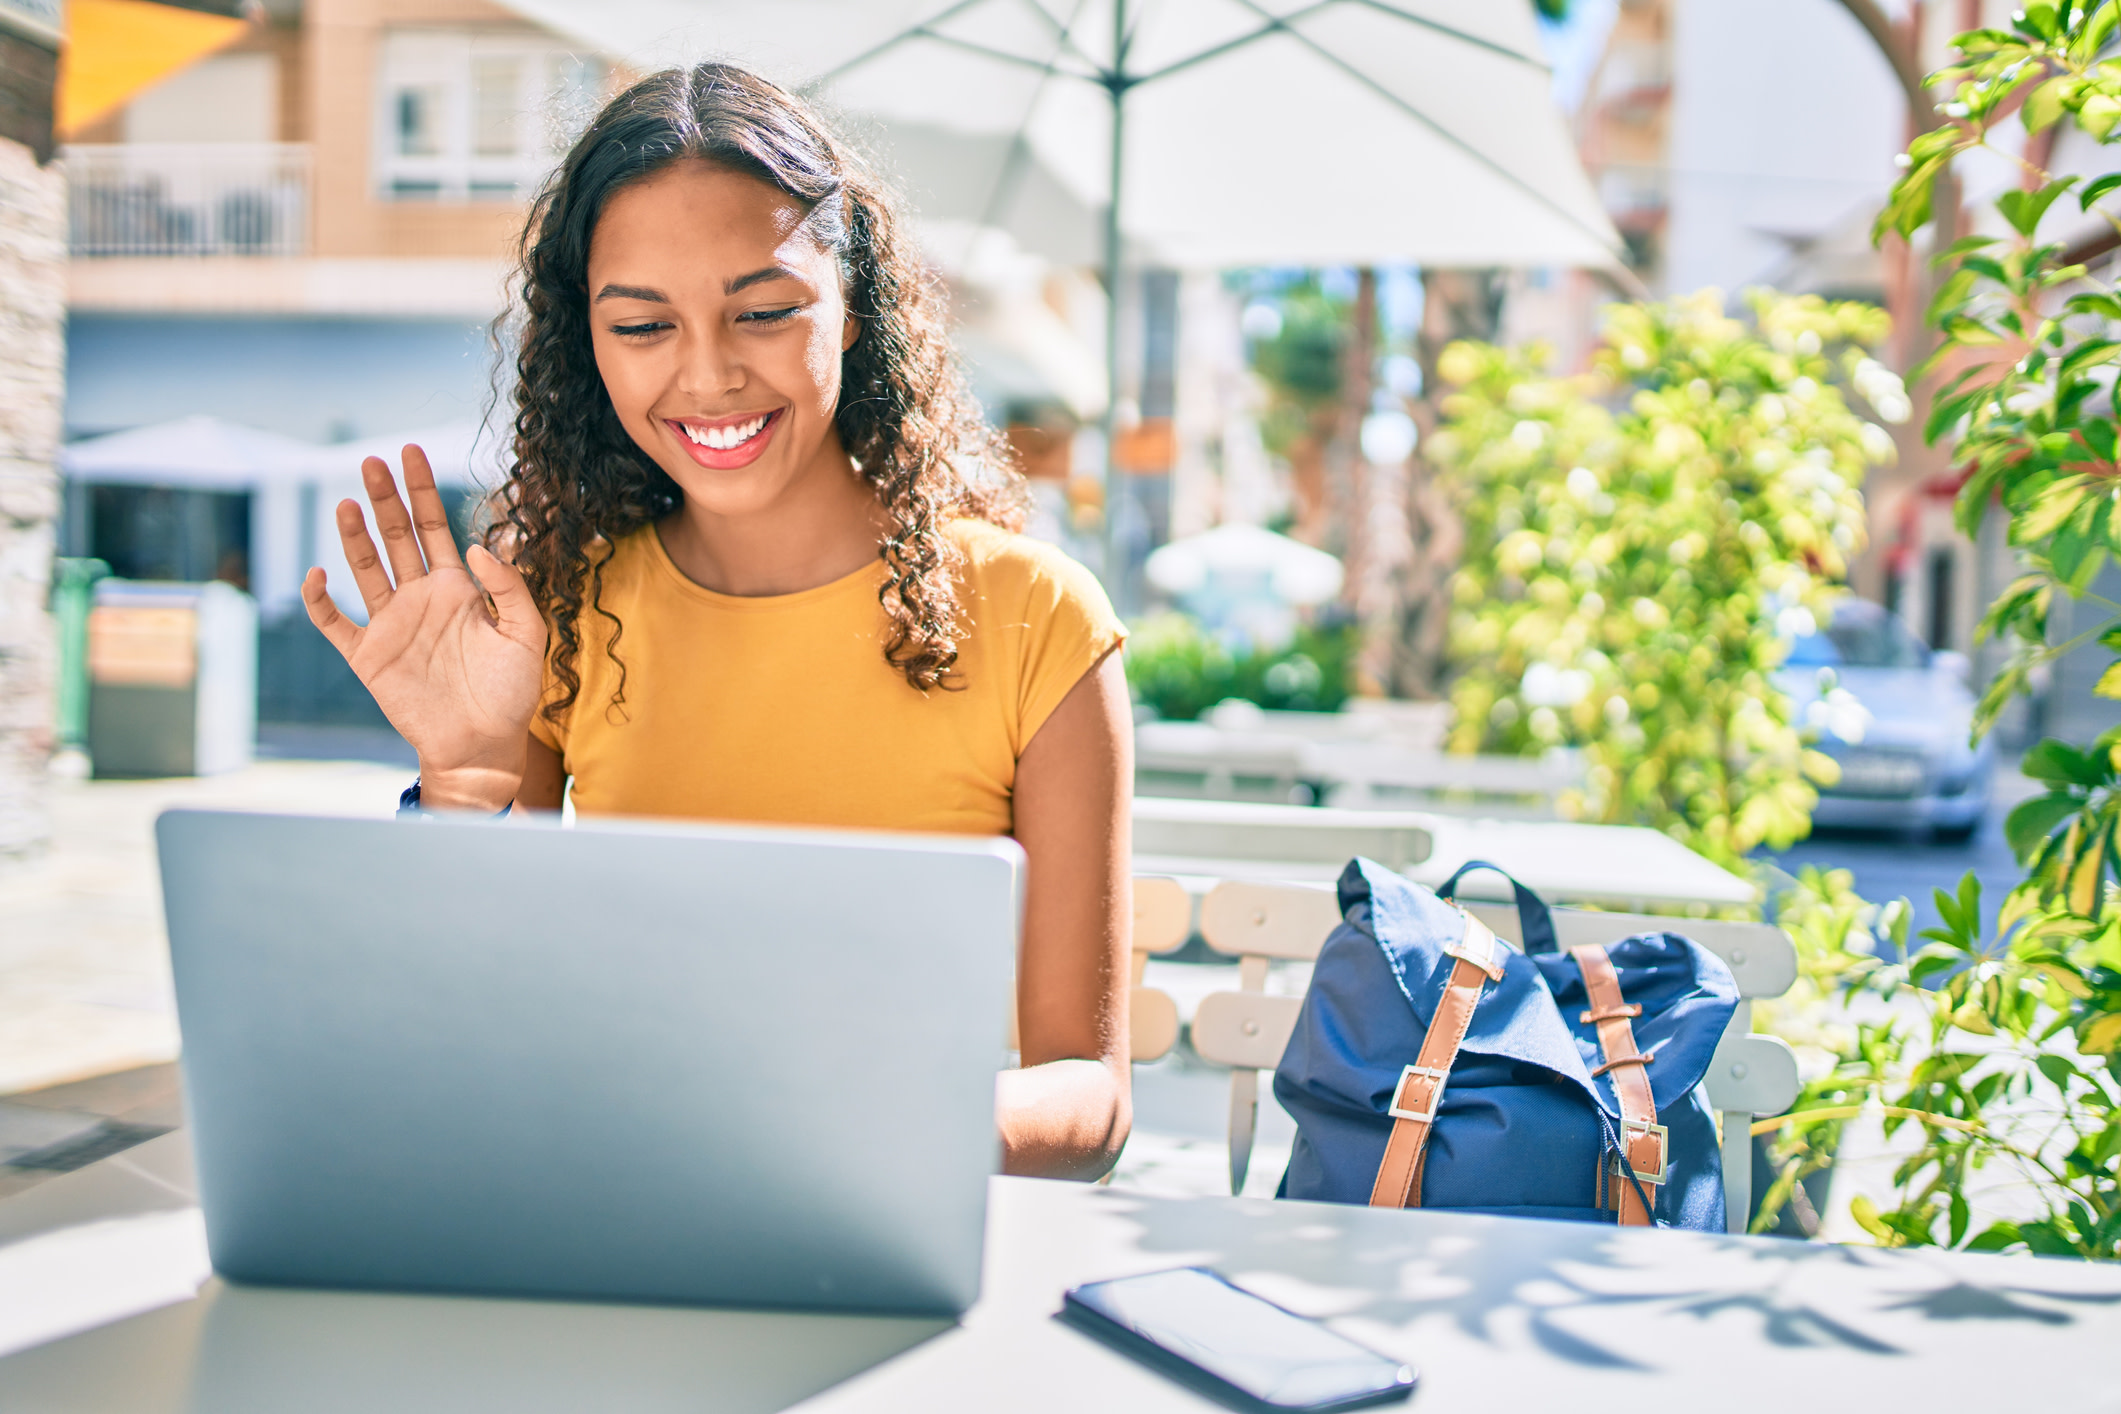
(1245, 1343)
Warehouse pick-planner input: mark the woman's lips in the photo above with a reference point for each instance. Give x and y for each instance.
(727, 458)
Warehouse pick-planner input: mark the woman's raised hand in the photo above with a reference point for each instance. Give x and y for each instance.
(457, 678)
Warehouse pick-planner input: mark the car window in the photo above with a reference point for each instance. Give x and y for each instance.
(1862, 635)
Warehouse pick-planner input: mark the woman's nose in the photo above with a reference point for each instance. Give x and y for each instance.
(709, 366)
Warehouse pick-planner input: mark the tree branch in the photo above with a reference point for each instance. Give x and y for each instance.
(1921, 108)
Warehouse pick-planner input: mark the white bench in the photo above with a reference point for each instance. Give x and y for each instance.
(1366, 776)
(1261, 923)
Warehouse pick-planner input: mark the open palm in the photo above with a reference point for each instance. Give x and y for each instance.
(455, 662)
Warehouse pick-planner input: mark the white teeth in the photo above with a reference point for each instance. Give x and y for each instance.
(723, 438)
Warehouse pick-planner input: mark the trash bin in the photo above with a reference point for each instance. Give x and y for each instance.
(173, 678)
(73, 590)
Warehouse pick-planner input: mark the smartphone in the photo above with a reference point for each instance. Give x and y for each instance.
(1220, 1340)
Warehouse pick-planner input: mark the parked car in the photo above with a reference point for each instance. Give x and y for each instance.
(1897, 716)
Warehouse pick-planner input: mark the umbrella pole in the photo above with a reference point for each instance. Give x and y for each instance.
(1109, 567)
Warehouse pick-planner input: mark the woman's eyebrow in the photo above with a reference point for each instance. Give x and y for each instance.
(641, 292)
(771, 272)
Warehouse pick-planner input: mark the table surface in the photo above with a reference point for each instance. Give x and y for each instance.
(1619, 866)
(1567, 862)
(1498, 1314)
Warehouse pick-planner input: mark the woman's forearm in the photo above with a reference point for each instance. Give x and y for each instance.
(1063, 1119)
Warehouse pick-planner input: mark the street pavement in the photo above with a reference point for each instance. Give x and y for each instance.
(1911, 864)
(84, 961)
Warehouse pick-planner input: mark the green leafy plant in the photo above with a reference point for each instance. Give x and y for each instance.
(1837, 936)
(1995, 1061)
(2021, 1061)
(1302, 366)
(1626, 571)
(1180, 671)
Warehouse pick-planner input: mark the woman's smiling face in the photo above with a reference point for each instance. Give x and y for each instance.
(718, 323)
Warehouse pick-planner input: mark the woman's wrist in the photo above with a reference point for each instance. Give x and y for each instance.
(483, 790)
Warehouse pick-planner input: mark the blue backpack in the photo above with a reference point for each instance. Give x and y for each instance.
(1434, 1065)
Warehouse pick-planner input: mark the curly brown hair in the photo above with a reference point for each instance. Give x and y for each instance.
(580, 483)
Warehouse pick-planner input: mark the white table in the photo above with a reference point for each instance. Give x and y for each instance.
(1498, 1314)
(1564, 862)
(1620, 866)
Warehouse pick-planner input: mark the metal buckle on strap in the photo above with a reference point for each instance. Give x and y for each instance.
(1435, 1096)
(1661, 1134)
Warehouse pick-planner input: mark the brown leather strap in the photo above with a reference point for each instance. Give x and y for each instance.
(1644, 1142)
(1420, 1090)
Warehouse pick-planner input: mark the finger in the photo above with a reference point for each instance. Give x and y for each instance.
(361, 557)
(514, 610)
(338, 630)
(430, 521)
(393, 521)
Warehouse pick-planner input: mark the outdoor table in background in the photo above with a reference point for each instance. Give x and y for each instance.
(1496, 1313)
(1620, 866)
(1200, 841)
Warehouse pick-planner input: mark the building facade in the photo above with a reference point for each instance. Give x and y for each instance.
(32, 379)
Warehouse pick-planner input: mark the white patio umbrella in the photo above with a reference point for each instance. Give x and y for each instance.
(196, 453)
(1210, 133)
(1293, 571)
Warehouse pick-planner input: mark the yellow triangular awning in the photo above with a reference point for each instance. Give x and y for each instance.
(115, 48)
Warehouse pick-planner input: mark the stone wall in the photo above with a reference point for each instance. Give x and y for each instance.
(32, 390)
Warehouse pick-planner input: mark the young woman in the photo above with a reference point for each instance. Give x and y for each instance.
(755, 561)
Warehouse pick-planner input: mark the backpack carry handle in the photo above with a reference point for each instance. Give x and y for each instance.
(1534, 919)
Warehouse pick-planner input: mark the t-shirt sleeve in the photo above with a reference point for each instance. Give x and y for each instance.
(1069, 627)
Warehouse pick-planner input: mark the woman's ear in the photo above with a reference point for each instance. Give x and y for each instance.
(850, 330)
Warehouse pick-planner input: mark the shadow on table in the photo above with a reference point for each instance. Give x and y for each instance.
(322, 1351)
(1592, 1296)
(274, 1351)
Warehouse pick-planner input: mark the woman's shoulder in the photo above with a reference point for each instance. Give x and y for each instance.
(1004, 566)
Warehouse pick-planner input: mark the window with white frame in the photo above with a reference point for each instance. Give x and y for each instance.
(477, 115)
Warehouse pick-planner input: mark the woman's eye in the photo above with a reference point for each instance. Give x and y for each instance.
(638, 331)
(767, 316)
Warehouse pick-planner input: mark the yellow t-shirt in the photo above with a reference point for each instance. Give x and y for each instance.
(783, 710)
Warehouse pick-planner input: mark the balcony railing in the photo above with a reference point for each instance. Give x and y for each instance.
(171, 199)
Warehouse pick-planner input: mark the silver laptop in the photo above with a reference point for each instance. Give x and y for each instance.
(636, 1062)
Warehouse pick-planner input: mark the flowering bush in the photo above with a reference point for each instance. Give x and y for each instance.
(1630, 574)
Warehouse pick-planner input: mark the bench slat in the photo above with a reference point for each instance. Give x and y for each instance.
(1244, 1030)
(1756, 1074)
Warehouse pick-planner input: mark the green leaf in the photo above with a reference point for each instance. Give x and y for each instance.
(2099, 187)
(2062, 764)
(2045, 105)
(2089, 354)
(1946, 412)
(2038, 19)
(1951, 294)
(1865, 1212)
(2098, 115)
(2100, 438)
(2096, 31)
(1907, 207)
(2057, 1069)
(1967, 244)
(2046, 1239)
(2023, 209)
(2109, 683)
(2101, 305)
(1996, 1237)
(2029, 825)
(1960, 1216)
